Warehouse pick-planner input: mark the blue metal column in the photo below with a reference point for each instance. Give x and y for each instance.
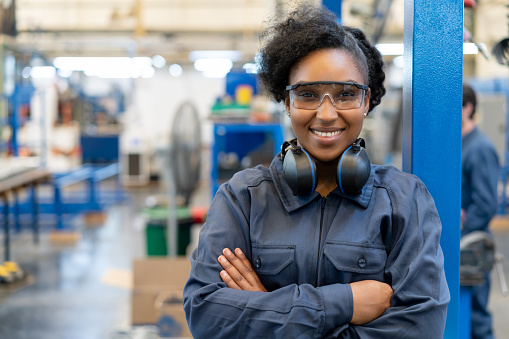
(334, 6)
(432, 91)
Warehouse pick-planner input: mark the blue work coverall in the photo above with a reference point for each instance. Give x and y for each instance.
(306, 251)
(479, 179)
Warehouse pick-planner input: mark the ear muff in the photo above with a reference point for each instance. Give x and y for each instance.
(354, 168)
(299, 169)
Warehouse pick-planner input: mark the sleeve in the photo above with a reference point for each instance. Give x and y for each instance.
(484, 174)
(415, 270)
(215, 311)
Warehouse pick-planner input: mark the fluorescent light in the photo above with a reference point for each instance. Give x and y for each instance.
(398, 61)
(105, 73)
(390, 49)
(25, 73)
(43, 72)
(83, 63)
(175, 70)
(64, 73)
(216, 74)
(250, 68)
(470, 48)
(147, 72)
(213, 65)
(232, 55)
(107, 67)
(158, 61)
(397, 48)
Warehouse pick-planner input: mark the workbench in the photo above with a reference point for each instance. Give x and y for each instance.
(11, 182)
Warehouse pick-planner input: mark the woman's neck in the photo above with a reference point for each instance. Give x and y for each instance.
(326, 173)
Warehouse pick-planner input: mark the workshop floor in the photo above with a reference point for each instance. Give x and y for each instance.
(82, 291)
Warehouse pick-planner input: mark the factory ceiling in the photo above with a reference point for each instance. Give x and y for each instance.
(171, 28)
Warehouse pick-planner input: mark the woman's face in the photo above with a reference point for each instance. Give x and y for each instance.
(326, 132)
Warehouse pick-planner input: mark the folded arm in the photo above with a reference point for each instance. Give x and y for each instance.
(415, 271)
(213, 310)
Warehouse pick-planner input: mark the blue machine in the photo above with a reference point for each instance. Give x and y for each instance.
(234, 143)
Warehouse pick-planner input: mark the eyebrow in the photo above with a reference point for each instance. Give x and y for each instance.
(302, 83)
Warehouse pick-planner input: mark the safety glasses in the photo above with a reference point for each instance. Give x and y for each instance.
(343, 95)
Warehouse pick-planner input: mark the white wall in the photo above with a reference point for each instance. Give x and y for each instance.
(491, 26)
(155, 102)
(157, 99)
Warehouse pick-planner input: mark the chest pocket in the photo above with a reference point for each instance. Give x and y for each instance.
(346, 263)
(274, 264)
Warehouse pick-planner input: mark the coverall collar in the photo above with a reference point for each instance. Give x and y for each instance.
(292, 202)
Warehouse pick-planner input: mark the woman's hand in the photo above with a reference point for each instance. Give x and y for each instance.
(370, 300)
(238, 272)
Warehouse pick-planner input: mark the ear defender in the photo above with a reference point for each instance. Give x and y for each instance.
(354, 168)
(299, 168)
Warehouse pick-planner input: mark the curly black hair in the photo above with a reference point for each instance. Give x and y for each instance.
(312, 28)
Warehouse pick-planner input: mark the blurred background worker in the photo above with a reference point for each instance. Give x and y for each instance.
(480, 172)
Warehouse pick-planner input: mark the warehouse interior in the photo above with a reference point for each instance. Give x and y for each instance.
(120, 119)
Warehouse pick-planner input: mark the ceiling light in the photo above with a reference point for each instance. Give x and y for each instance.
(470, 48)
(232, 55)
(398, 61)
(213, 65)
(147, 72)
(158, 61)
(175, 70)
(25, 73)
(390, 49)
(106, 67)
(42, 72)
(215, 74)
(251, 68)
(397, 48)
(64, 73)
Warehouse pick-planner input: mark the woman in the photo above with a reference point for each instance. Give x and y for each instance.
(327, 263)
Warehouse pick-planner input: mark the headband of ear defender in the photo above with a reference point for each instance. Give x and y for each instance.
(299, 169)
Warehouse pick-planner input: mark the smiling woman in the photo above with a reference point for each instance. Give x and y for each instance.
(321, 244)
(328, 129)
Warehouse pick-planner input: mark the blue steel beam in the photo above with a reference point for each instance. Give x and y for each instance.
(432, 91)
(334, 6)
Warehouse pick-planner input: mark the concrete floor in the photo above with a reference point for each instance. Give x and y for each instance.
(73, 295)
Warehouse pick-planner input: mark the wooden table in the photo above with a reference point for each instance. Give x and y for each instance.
(10, 184)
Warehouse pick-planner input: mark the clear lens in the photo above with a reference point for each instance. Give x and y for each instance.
(342, 96)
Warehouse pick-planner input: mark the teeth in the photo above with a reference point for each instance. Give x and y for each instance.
(326, 134)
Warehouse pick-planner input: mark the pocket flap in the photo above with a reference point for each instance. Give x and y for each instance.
(271, 259)
(358, 258)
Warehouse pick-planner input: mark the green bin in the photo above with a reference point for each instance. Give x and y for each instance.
(155, 230)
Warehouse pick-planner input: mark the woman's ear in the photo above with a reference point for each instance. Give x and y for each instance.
(366, 102)
(287, 105)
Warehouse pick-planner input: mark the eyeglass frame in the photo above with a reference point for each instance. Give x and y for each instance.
(359, 86)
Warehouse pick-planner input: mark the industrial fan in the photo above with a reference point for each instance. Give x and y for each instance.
(180, 164)
(180, 169)
(185, 150)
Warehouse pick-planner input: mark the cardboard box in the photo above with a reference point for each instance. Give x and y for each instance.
(157, 294)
